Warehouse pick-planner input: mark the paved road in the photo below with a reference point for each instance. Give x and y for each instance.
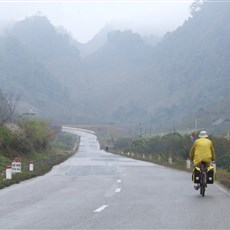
(99, 190)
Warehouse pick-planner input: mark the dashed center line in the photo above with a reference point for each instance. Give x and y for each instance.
(101, 208)
(104, 206)
(118, 190)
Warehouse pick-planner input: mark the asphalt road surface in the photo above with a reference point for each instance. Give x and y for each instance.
(98, 190)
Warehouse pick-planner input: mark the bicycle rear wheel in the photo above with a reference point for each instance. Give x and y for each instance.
(202, 189)
(202, 184)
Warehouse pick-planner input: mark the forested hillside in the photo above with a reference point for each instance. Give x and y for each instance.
(181, 80)
(195, 60)
(23, 71)
(124, 80)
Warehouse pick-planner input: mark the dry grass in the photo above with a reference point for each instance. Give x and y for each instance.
(223, 176)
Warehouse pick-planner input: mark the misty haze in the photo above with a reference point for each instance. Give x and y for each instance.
(121, 77)
(101, 103)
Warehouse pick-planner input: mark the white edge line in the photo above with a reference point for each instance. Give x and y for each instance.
(223, 189)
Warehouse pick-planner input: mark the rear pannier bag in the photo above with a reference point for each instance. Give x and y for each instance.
(196, 175)
(210, 175)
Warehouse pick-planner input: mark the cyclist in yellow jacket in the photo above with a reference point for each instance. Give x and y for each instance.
(202, 150)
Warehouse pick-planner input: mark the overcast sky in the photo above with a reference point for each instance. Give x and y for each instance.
(85, 18)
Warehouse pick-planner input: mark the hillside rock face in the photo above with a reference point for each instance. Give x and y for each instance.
(122, 79)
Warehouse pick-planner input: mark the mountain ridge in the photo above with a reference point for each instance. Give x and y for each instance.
(125, 80)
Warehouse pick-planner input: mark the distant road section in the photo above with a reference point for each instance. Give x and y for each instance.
(98, 190)
(74, 130)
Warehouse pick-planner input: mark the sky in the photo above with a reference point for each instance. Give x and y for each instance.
(84, 19)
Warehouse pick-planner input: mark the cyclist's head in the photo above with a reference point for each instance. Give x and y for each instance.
(203, 133)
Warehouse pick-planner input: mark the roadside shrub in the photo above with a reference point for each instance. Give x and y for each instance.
(176, 146)
(224, 161)
(6, 138)
(138, 145)
(37, 132)
(123, 142)
(65, 141)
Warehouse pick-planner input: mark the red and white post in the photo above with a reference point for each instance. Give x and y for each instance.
(8, 172)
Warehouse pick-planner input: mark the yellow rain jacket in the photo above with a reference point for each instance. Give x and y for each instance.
(202, 150)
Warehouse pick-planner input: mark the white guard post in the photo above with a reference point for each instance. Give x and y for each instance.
(31, 166)
(170, 160)
(214, 166)
(188, 163)
(8, 172)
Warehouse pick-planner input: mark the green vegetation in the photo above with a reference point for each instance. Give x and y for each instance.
(174, 145)
(33, 141)
(158, 149)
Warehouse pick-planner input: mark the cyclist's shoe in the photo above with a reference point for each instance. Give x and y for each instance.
(197, 186)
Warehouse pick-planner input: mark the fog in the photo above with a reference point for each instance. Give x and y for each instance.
(126, 79)
(83, 19)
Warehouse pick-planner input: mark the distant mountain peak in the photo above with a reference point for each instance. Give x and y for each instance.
(126, 37)
(43, 39)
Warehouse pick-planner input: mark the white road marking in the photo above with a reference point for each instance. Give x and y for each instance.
(118, 190)
(221, 188)
(101, 208)
(118, 181)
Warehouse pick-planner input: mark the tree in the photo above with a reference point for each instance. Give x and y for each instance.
(3, 107)
(12, 102)
(196, 6)
(8, 105)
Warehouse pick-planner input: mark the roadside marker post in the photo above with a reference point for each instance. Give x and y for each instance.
(8, 172)
(188, 163)
(214, 166)
(16, 165)
(170, 160)
(31, 166)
